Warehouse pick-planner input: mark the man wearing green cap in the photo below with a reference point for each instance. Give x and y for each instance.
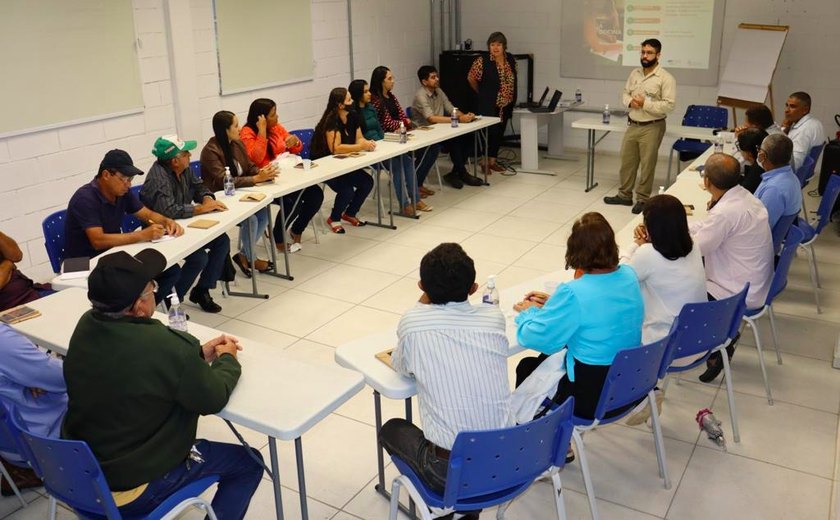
(171, 190)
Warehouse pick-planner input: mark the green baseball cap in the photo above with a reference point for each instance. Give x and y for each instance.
(168, 146)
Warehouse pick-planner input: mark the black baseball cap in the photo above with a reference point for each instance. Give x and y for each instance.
(120, 161)
(119, 278)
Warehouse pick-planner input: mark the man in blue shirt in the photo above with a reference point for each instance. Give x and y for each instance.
(780, 190)
(33, 382)
(95, 214)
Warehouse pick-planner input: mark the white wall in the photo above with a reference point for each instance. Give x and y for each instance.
(40, 171)
(808, 60)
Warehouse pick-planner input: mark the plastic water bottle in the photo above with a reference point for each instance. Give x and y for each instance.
(605, 115)
(230, 188)
(177, 316)
(578, 95)
(403, 133)
(454, 117)
(718, 144)
(491, 294)
(661, 190)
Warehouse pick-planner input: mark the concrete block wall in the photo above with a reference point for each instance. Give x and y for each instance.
(40, 171)
(805, 63)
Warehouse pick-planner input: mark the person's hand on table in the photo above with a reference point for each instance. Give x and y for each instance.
(266, 173)
(466, 118)
(223, 344)
(153, 232)
(368, 145)
(292, 141)
(210, 205)
(532, 299)
(173, 228)
(640, 235)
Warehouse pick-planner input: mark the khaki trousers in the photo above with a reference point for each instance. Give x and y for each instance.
(639, 151)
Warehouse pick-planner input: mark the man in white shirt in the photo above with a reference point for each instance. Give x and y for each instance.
(804, 130)
(650, 93)
(457, 353)
(735, 241)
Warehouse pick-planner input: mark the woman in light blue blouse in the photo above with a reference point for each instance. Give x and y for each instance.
(595, 316)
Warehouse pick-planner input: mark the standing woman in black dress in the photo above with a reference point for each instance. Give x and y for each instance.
(493, 78)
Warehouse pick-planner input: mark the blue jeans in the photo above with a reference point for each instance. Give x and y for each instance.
(209, 264)
(239, 476)
(249, 233)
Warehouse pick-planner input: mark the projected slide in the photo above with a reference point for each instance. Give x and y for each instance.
(602, 38)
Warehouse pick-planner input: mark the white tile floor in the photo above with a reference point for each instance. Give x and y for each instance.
(348, 286)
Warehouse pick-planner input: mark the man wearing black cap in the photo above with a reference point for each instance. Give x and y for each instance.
(136, 389)
(172, 190)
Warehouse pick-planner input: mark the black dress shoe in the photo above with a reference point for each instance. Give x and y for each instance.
(616, 200)
(638, 207)
(714, 365)
(204, 300)
(453, 180)
(471, 180)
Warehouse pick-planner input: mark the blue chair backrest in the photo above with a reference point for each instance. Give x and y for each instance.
(815, 151)
(632, 374)
(71, 474)
(408, 112)
(805, 170)
(792, 241)
(53, 227)
(130, 222)
(492, 461)
(305, 136)
(780, 230)
(195, 168)
(705, 116)
(829, 198)
(702, 326)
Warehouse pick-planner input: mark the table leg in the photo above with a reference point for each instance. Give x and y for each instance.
(304, 510)
(254, 292)
(378, 187)
(275, 466)
(555, 139)
(590, 161)
(288, 274)
(380, 457)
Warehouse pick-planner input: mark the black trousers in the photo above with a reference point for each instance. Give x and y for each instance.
(405, 440)
(310, 203)
(351, 190)
(586, 389)
(495, 134)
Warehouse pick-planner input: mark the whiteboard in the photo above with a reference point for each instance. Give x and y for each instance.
(262, 43)
(66, 62)
(752, 62)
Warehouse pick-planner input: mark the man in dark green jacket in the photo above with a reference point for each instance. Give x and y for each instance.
(137, 387)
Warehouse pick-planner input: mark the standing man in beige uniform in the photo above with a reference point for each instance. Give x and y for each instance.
(650, 93)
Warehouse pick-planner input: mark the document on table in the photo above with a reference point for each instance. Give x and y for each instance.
(164, 238)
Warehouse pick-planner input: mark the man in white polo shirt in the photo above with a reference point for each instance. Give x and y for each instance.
(804, 130)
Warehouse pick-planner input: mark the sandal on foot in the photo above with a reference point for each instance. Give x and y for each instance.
(335, 226)
(353, 221)
(263, 266)
(240, 260)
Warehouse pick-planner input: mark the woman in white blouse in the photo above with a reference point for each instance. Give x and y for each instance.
(668, 264)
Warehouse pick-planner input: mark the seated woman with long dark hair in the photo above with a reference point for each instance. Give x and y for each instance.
(338, 131)
(594, 316)
(225, 149)
(402, 167)
(265, 139)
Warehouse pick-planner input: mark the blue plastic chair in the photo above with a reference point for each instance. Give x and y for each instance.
(488, 468)
(72, 475)
(305, 136)
(701, 329)
(814, 153)
(805, 170)
(777, 285)
(53, 227)
(11, 442)
(631, 379)
(195, 168)
(702, 116)
(780, 230)
(130, 222)
(811, 230)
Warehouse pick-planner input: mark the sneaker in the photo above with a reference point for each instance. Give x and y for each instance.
(353, 221)
(335, 227)
(641, 413)
(204, 300)
(471, 180)
(294, 247)
(616, 200)
(453, 180)
(638, 207)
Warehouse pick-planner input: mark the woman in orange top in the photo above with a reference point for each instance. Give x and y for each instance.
(265, 139)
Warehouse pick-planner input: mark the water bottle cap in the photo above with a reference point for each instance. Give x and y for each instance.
(491, 280)
(173, 298)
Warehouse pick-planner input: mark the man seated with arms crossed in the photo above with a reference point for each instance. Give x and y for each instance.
(33, 382)
(431, 106)
(735, 241)
(780, 190)
(172, 190)
(457, 353)
(15, 287)
(804, 130)
(137, 387)
(96, 211)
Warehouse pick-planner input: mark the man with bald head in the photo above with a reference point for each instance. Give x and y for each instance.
(804, 130)
(735, 241)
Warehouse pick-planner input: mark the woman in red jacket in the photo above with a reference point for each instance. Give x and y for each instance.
(265, 139)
